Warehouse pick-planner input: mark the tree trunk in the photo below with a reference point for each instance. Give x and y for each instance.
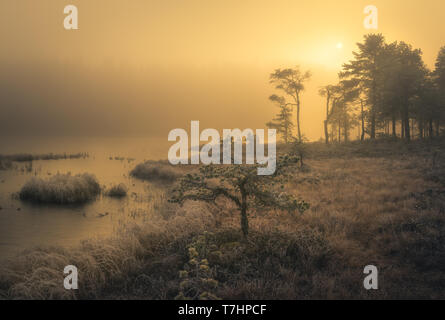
(244, 220)
(298, 118)
(406, 123)
(339, 131)
(373, 125)
(402, 125)
(286, 134)
(326, 134)
(373, 110)
(420, 128)
(430, 128)
(394, 134)
(362, 138)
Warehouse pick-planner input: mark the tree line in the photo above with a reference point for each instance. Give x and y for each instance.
(385, 90)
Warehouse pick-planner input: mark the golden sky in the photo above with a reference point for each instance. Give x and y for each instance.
(145, 67)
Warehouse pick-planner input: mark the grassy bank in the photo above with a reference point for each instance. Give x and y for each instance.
(387, 148)
(388, 211)
(22, 157)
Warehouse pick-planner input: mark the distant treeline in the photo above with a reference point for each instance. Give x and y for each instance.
(385, 90)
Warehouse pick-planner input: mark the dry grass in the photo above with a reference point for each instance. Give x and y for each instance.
(375, 211)
(386, 211)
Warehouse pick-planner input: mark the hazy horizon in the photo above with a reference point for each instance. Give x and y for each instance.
(97, 204)
(151, 67)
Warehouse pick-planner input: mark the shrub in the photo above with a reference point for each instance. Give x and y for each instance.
(61, 189)
(153, 171)
(117, 191)
(242, 185)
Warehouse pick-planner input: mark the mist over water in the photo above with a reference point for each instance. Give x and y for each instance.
(355, 180)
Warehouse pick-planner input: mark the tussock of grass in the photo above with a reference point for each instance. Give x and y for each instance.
(61, 189)
(155, 171)
(117, 191)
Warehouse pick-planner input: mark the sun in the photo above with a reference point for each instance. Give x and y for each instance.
(329, 53)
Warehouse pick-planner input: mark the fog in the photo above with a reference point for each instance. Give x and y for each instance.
(149, 67)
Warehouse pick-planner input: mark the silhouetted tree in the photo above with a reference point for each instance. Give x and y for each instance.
(427, 107)
(366, 69)
(328, 92)
(291, 82)
(283, 121)
(439, 81)
(391, 78)
(341, 113)
(404, 75)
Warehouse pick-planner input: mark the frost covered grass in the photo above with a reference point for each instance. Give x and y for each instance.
(380, 210)
(61, 189)
(155, 171)
(117, 191)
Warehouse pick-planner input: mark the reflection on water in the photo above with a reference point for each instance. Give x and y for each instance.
(23, 225)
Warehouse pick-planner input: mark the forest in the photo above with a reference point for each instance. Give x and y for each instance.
(385, 91)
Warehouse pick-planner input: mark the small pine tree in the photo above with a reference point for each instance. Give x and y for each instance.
(242, 185)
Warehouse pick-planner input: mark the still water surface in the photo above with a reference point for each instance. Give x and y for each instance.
(24, 225)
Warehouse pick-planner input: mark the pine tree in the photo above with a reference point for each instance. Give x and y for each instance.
(283, 120)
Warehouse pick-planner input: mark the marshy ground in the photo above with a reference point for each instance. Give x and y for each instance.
(379, 204)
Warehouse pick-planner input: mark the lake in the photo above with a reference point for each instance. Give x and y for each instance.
(25, 225)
